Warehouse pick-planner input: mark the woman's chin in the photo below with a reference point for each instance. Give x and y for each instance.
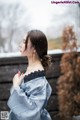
(21, 53)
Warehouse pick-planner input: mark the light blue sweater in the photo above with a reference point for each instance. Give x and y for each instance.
(28, 101)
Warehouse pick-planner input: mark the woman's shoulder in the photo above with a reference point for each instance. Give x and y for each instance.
(33, 75)
(34, 80)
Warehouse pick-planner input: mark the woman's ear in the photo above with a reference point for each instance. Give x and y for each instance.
(34, 51)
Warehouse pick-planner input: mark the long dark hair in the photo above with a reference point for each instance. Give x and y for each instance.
(39, 41)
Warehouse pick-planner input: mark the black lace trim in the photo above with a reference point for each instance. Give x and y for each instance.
(33, 75)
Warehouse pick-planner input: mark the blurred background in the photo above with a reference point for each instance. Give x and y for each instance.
(19, 16)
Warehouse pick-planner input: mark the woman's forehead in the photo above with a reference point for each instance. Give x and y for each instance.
(25, 37)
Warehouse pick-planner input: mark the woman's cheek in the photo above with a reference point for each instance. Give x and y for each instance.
(25, 52)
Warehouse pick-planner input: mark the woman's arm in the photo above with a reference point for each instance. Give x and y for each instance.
(28, 106)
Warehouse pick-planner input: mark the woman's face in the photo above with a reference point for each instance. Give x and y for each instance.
(29, 50)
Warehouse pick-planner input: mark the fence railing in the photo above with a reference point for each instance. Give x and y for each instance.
(10, 65)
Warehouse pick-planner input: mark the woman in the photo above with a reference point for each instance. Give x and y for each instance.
(30, 91)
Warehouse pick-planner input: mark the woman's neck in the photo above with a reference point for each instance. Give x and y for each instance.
(32, 61)
(34, 64)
